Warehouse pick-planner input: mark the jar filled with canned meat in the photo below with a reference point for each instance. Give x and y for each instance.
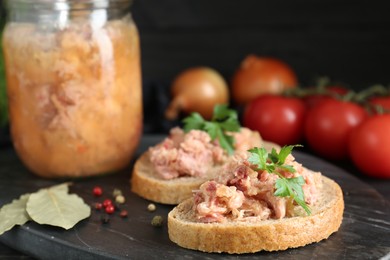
(73, 84)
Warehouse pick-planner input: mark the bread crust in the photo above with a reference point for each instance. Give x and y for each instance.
(237, 237)
(146, 183)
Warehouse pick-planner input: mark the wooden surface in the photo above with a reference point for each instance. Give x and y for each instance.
(363, 234)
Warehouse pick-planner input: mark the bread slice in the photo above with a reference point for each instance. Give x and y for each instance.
(146, 183)
(237, 237)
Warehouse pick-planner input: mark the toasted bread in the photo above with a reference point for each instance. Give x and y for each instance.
(236, 237)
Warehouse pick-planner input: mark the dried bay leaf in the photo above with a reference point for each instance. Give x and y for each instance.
(55, 206)
(60, 187)
(52, 206)
(14, 214)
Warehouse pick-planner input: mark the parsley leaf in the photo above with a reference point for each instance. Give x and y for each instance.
(274, 161)
(284, 152)
(223, 120)
(258, 157)
(194, 121)
(292, 187)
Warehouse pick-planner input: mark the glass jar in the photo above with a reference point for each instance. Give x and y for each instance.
(74, 85)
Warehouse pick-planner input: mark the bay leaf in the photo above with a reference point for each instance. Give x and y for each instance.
(14, 213)
(59, 187)
(55, 206)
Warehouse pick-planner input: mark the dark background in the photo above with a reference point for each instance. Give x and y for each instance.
(349, 41)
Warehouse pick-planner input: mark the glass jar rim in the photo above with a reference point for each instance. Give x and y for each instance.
(64, 5)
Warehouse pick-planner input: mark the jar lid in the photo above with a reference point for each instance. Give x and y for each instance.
(63, 5)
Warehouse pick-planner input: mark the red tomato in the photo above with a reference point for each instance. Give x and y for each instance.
(384, 102)
(369, 146)
(261, 75)
(315, 99)
(328, 125)
(278, 119)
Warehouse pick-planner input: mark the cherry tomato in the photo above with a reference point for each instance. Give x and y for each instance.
(277, 118)
(315, 99)
(261, 75)
(328, 125)
(369, 146)
(384, 102)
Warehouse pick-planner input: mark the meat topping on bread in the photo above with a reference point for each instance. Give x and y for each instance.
(194, 153)
(242, 192)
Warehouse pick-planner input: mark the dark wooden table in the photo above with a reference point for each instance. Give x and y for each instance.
(367, 212)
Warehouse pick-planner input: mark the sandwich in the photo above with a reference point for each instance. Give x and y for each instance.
(259, 201)
(169, 171)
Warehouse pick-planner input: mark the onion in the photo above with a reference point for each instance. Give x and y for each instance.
(260, 75)
(197, 89)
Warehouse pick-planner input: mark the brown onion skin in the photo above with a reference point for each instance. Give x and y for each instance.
(261, 75)
(197, 89)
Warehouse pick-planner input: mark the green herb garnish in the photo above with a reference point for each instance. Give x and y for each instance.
(273, 162)
(224, 119)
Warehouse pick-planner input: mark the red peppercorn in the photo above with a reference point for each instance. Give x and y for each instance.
(123, 213)
(110, 209)
(98, 205)
(107, 202)
(97, 191)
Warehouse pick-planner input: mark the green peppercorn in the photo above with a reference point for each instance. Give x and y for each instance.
(116, 193)
(157, 221)
(105, 219)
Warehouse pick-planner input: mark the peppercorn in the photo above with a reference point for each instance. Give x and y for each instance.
(151, 207)
(105, 219)
(98, 206)
(123, 213)
(97, 191)
(110, 209)
(116, 193)
(120, 199)
(157, 221)
(107, 202)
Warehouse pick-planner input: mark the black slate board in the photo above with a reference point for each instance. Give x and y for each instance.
(364, 233)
